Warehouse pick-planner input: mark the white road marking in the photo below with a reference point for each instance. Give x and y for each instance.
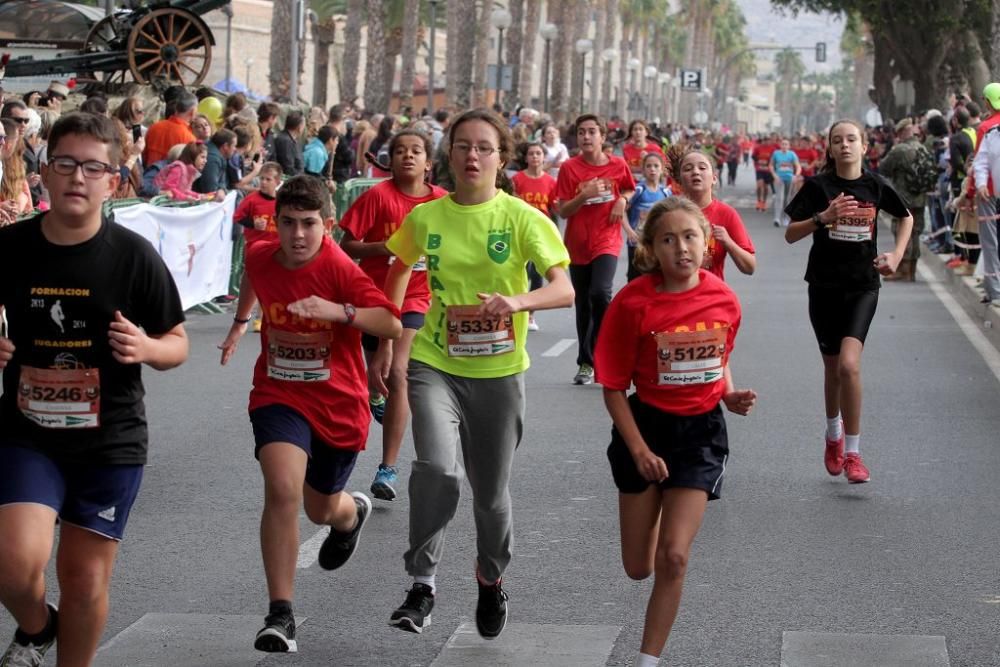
(309, 549)
(559, 347)
(964, 322)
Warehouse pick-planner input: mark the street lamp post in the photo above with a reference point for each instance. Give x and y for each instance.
(663, 79)
(583, 47)
(632, 66)
(227, 10)
(549, 31)
(501, 20)
(650, 73)
(431, 56)
(249, 63)
(607, 55)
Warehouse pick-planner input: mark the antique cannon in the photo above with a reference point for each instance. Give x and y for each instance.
(161, 42)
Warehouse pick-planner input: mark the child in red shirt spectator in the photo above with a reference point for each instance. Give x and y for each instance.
(367, 224)
(308, 402)
(256, 211)
(670, 333)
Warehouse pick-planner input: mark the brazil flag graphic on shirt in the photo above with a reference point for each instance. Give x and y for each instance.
(498, 245)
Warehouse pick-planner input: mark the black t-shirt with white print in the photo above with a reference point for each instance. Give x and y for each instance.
(60, 302)
(843, 253)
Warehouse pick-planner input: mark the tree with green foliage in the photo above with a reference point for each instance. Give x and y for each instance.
(911, 40)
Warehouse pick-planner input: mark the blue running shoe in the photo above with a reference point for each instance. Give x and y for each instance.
(377, 406)
(383, 487)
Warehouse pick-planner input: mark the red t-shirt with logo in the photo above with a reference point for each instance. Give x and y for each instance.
(721, 214)
(311, 366)
(539, 192)
(256, 205)
(762, 156)
(589, 231)
(373, 218)
(634, 155)
(807, 157)
(672, 346)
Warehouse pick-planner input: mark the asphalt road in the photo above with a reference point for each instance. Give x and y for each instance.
(788, 549)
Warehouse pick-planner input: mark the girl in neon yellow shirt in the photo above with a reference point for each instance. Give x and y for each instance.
(466, 372)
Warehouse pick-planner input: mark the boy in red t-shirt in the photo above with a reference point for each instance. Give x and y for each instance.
(308, 402)
(537, 188)
(593, 190)
(256, 211)
(367, 225)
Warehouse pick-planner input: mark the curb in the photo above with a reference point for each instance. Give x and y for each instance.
(967, 291)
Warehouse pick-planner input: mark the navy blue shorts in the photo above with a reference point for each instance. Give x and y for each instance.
(329, 467)
(411, 319)
(695, 449)
(95, 497)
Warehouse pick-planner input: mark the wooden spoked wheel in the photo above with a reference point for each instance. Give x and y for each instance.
(107, 35)
(170, 44)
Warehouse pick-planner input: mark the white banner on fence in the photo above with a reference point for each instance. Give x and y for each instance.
(196, 243)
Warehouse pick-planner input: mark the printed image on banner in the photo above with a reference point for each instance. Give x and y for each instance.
(471, 334)
(195, 242)
(691, 357)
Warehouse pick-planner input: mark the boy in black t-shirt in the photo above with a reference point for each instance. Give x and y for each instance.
(87, 302)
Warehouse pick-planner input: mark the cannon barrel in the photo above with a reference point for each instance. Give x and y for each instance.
(67, 64)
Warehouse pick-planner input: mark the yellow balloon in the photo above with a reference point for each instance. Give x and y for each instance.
(211, 107)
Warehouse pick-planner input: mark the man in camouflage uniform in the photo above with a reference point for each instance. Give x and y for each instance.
(894, 166)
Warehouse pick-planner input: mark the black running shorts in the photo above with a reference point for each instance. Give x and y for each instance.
(695, 449)
(838, 314)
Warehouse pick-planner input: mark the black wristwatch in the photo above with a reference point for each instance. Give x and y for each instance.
(818, 221)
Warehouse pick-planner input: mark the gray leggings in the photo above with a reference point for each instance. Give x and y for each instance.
(484, 417)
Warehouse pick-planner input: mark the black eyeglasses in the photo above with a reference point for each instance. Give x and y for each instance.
(22, 121)
(66, 166)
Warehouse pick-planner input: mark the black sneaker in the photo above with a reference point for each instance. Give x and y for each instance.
(30, 654)
(338, 547)
(491, 612)
(415, 613)
(278, 634)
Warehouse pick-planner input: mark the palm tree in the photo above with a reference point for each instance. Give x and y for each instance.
(481, 53)
(280, 60)
(411, 28)
(532, 22)
(581, 22)
(789, 69)
(352, 50)
(561, 54)
(463, 34)
(610, 22)
(512, 51)
(376, 87)
(324, 36)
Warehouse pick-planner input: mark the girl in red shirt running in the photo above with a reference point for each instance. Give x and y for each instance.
(638, 146)
(367, 224)
(697, 177)
(537, 188)
(669, 333)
